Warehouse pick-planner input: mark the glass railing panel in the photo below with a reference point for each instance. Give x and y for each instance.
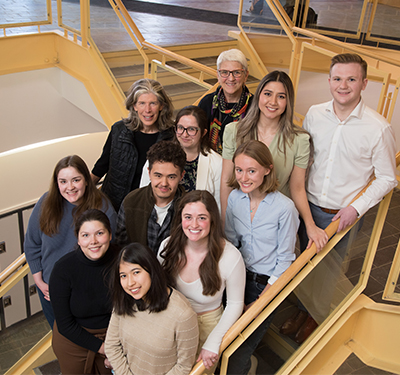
(23, 12)
(22, 16)
(107, 30)
(331, 17)
(385, 25)
(70, 15)
(259, 17)
(337, 278)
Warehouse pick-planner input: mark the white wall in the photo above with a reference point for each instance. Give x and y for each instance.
(314, 89)
(44, 104)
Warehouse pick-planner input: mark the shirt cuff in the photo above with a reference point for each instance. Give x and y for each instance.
(35, 266)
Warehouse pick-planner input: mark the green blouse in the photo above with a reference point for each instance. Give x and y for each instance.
(297, 154)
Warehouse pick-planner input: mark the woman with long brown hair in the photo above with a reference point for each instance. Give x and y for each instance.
(270, 120)
(50, 233)
(201, 264)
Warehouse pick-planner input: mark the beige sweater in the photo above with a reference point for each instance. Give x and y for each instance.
(156, 343)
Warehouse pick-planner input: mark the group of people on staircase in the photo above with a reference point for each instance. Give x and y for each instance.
(198, 217)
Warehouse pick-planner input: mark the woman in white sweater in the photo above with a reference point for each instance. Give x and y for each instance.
(153, 329)
(201, 264)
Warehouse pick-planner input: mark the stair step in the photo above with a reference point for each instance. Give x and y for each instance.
(50, 368)
(138, 69)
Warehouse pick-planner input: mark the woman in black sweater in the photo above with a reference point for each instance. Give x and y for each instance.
(80, 298)
(124, 153)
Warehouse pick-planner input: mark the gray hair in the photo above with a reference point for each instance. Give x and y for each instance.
(232, 55)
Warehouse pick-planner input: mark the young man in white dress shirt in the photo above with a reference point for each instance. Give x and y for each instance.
(353, 143)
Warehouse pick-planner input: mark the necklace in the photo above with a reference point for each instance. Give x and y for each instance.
(254, 207)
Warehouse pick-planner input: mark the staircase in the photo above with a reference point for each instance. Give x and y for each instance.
(128, 67)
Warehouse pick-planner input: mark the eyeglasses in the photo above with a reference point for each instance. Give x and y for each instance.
(235, 73)
(190, 130)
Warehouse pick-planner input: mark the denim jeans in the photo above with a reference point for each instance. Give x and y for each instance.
(47, 308)
(239, 362)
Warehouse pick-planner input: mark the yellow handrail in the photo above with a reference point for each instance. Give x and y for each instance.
(260, 304)
(20, 261)
(182, 59)
(346, 46)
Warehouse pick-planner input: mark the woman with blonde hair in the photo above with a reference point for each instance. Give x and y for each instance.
(270, 120)
(124, 153)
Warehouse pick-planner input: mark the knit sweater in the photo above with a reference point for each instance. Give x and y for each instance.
(43, 251)
(154, 343)
(80, 297)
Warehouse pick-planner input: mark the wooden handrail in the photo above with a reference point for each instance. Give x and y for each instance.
(5, 274)
(346, 46)
(260, 304)
(182, 59)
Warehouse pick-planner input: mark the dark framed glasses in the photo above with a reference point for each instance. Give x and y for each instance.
(225, 73)
(190, 130)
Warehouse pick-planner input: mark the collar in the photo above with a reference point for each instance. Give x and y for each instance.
(268, 199)
(357, 111)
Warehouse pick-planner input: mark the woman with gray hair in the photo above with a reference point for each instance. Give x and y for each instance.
(229, 103)
(124, 153)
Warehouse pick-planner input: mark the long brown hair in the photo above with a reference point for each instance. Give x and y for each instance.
(52, 209)
(174, 253)
(247, 128)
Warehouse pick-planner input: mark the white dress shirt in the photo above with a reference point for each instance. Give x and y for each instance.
(347, 155)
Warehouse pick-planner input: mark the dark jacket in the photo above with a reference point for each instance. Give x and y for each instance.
(137, 207)
(122, 157)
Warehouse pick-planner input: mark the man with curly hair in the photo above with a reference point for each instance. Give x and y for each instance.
(146, 214)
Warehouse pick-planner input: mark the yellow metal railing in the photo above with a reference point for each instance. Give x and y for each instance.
(141, 44)
(289, 280)
(47, 21)
(18, 270)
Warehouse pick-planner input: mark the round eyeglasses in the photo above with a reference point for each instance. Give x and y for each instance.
(235, 73)
(190, 130)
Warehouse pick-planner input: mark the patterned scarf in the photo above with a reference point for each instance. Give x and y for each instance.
(221, 115)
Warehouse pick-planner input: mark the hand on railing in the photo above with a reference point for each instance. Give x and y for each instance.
(209, 358)
(265, 298)
(347, 216)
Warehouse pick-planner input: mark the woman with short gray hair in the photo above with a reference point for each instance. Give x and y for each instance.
(229, 103)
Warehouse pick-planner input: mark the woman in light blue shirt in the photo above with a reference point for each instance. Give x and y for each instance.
(262, 223)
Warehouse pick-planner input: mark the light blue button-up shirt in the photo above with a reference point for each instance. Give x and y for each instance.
(268, 242)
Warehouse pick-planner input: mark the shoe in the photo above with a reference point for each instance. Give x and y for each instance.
(292, 325)
(306, 330)
(254, 364)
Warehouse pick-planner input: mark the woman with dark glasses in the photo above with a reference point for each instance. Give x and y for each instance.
(203, 166)
(230, 102)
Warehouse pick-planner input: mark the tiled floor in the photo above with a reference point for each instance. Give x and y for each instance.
(162, 30)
